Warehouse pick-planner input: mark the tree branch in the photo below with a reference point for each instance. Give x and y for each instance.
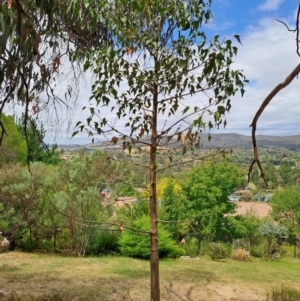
(265, 103)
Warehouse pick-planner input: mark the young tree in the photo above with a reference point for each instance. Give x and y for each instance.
(173, 208)
(160, 77)
(38, 150)
(286, 210)
(207, 188)
(76, 195)
(272, 231)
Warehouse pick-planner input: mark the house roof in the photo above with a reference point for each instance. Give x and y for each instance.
(121, 201)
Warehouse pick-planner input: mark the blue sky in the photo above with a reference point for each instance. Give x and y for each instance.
(234, 16)
(267, 56)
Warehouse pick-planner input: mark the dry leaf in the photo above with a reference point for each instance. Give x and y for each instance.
(129, 50)
(35, 109)
(56, 63)
(182, 138)
(114, 140)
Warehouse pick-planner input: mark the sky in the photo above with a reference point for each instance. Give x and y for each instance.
(267, 55)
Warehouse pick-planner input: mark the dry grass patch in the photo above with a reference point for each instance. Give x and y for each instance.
(240, 254)
(42, 277)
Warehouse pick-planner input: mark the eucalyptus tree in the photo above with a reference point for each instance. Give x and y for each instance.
(286, 210)
(160, 76)
(37, 38)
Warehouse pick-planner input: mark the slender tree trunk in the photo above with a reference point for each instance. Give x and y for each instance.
(154, 259)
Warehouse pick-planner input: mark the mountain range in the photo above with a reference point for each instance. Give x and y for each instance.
(228, 141)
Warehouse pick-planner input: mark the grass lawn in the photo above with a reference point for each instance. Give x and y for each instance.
(25, 276)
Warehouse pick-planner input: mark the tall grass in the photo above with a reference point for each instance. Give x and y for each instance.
(283, 294)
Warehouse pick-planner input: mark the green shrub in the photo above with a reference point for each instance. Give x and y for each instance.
(246, 198)
(137, 244)
(28, 244)
(46, 245)
(218, 250)
(283, 294)
(176, 251)
(103, 243)
(191, 247)
(204, 247)
(264, 248)
(259, 251)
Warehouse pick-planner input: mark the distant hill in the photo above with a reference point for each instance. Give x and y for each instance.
(242, 141)
(232, 141)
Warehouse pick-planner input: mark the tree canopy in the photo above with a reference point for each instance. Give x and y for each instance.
(207, 188)
(173, 75)
(36, 37)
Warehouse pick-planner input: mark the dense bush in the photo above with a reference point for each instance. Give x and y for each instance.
(258, 251)
(137, 244)
(204, 247)
(103, 243)
(191, 247)
(218, 250)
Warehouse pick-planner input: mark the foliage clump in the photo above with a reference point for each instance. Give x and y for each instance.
(103, 242)
(218, 250)
(137, 243)
(191, 247)
(274, 235)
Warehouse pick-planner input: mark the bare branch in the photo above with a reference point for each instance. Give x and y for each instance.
(294, 30)
(265, 103)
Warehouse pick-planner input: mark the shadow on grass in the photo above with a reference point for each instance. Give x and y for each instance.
(191, 275)
(39, 287)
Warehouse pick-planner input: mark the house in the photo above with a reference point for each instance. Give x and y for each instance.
(118, 202)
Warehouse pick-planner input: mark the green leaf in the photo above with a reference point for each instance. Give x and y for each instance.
(217, 115)
(74, 134)
(238, 38)
(185, 110)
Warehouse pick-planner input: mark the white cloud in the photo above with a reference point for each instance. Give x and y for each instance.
(270, 5)
(267, 56)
